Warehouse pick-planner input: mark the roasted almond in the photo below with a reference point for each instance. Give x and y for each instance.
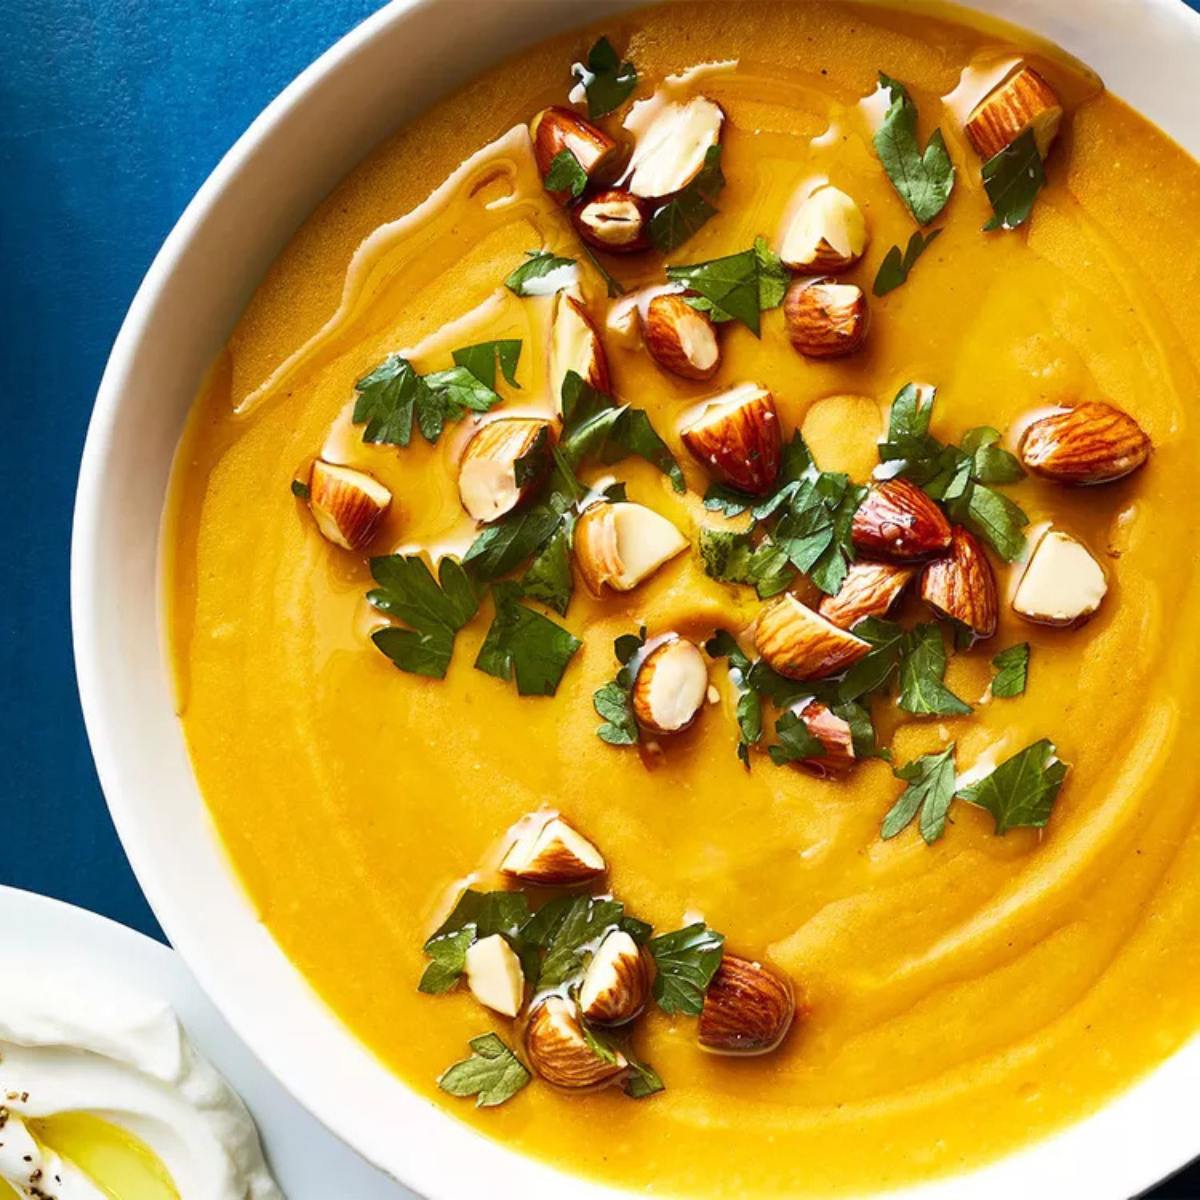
(575, 345)
(829, 233)
(738, 439)
(748, 1008)
(1090, 443)
(494, 975)
(836, 738)
(961, 586)
(1023, 100)
(670, 686)
(1062, 584)
(616, 984)
(670, 151)
(680, 338)
(619, 545)
(615, 220)
(503, 464)
(869, 590)
(555, 129)
(346, 504)
(801, 644)
(559, 1052)
(824, 318)
(553, 854)
(899, 521)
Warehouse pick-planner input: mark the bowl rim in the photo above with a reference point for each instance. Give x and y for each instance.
(1164, 1144)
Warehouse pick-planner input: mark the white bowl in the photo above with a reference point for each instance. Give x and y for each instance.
(1148, 51)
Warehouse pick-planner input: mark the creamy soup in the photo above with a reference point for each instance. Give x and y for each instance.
(955, 999)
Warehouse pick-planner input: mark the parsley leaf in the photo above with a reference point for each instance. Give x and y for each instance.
(796, 464)
(922, 669)
(435, 609)
(1021, 791)
(643, 1080)
(894, 269)
(300, 490)
(749, 707)
(475, 915)
(481, 358)
(607, 81)
(795, 742)
(736, 287)
(387, 399)
(923, 179)
(567, 928)
(1012, 179)
(685, 963)
(1012, 671)
(548, 577)
(538, 264)
(525, 643)
(565, 174)
(676, 221)
(449, 956)
(613, 701)
(994, 517)
(502, 546)
(990, 462)
(493, 1073)
(773, 276)
(930, 790)
(596, 426)
(875, 668)
(730, 556)
(815, 528)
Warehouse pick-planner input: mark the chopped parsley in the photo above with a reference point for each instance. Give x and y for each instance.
(923, 179)
(1012, 179)
(685, 963)
(526, 644)
(922, 669)
(684, 214)
(607, 81)
(566, 929)
(475, 916)
(613, 702)
(731, 556)
(1012, 671)
(565, 174)
(897, 264)
(931, 783)
(1021, 791)
(736, 287)
(493, 1073)
(538, 264)
(301, 490)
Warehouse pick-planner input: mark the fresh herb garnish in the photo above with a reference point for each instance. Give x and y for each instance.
(566, 928)
(731, 556)
(1021, 791)
(642, 1081)
(930, 790)
(538, 264)
(301, 490)
(449, 955)
(565, 174)
(1012, 671)
(796, 464)
(922, 669)
(1012, 179)
(896, 265)
(814, 530)
(502, 546)
(922, 178)
(481, 359)
(613, 702)
(736, 287)
(607, 81)
(685, 963)
(796, 744)
(526, 644)
(548, 577)
(475, 916)
(873, 671)
(493, 1073)
(435, 610)
(682, 216)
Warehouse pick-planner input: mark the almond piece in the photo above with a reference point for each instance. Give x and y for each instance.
(494, 975)
(496, 455)
(553, 854)
(670, 686)
(680, 338)
(835, 737)
(346, 504)
(575, 345)
(1090, 443)
(748, 1008)
(1062, 585)
(824, 318)
(899, 521)
(558, 1051)
(616, 983)
(555, 129)
(1024, 99)
(619, 545)
(829, 233)
(738, 438)
(869, 590)
(802, 644)
(615, 220)
(961, 586)
(670, 152)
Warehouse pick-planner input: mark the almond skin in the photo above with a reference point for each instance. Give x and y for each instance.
(824, 318)
(801, 644)
(670, 686)
(1090, 443)
(615, 220)
(829, 234)
(869, 590)
(962, 586)
(558, 1051)
(748, 1008)
(835, 737)
(1024, 99)
(346, 504)
(616, 984)
(899, 522)
(556, 129)
(737, 438)
(553, 854)
(680, 338)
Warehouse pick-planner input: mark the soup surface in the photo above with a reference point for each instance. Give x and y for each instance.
(963, 997)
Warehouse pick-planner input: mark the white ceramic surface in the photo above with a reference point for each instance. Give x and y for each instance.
(1147, 50)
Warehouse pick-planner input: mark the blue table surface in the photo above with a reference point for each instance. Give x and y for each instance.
(113, 113)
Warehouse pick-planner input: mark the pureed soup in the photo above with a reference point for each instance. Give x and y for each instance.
(704, 592)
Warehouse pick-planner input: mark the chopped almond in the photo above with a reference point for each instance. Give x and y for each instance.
(1062, 584)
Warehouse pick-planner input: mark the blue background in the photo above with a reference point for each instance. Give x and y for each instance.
(112, 112)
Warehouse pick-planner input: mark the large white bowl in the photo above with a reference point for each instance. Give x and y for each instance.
(384, 72)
